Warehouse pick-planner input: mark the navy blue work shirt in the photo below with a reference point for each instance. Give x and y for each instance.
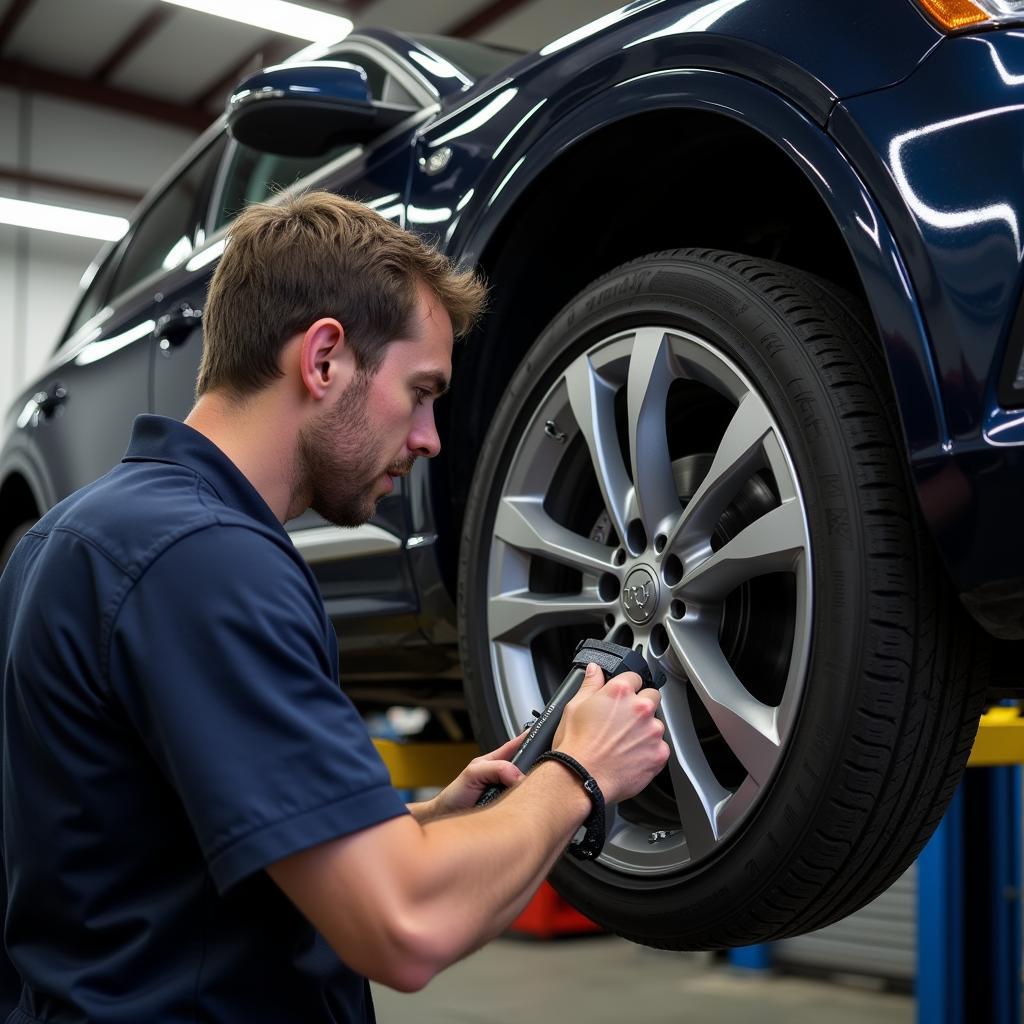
(172, 724)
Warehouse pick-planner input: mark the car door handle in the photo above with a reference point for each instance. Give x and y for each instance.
(47, 401)
(174, 328)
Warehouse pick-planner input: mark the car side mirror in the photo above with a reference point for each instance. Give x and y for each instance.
(306, 109)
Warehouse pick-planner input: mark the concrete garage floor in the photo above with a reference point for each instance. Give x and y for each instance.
(606, 980)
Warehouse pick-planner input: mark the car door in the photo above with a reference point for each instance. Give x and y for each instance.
(100, 379)
(363, 573)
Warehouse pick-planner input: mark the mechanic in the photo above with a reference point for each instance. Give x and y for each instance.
(196, 825)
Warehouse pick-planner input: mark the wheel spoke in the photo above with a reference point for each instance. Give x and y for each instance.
(592, 400)
(518, 616)
(698, 793)
(736, 458)
(746, 725)
(650, 377)
(523, 523)
(769, 544)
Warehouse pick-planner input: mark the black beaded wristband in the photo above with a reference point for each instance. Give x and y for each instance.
(593, 838)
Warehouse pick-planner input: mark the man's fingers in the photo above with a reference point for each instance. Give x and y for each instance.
(485, 773)
(509, 775)
(507, 749)
(651, 694)
(632, 678)
(592, 680)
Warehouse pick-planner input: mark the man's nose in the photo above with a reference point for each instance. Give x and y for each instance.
(424, 439)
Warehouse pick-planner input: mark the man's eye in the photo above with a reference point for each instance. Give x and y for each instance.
(422, 394)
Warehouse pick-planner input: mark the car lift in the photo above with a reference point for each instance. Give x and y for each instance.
(969, 951)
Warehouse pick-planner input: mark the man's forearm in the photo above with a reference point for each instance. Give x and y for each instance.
(401, 901)
(499, 855)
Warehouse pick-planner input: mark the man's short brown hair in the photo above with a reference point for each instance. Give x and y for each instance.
(317, 255)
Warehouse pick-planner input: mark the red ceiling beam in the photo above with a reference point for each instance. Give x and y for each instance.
(483, 18)
(27, 76)
(132, 41)
(68, 184)
(10, 20)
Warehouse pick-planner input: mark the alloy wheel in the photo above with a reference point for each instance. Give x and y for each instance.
(651, 500)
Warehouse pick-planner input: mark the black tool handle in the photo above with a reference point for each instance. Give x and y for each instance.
(614, 659)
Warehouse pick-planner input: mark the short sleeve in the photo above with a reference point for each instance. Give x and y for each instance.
(219, 654)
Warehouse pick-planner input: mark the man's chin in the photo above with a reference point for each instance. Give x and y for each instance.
(348, 518)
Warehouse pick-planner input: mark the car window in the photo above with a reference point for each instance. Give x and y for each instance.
(95, 293)
(254, 176)
(167, 232)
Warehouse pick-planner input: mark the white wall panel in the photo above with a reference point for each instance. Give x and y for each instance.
(39, 276)
(9, 368)
(106, 146)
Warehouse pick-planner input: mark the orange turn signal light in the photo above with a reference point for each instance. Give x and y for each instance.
(955, 14)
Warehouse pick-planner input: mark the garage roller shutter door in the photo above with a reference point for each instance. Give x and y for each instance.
(879, 940)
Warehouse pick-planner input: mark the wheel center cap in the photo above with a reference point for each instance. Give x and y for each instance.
(640, 595)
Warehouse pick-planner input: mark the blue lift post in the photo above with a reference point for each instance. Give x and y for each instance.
(940, 921)
(752, 958)
(969, 910)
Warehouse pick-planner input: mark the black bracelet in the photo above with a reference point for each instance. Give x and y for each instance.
(593, 838)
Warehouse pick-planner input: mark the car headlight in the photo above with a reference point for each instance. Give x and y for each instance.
(954, 15)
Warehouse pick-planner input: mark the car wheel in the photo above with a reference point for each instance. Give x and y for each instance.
(700, 458)
(11, 541)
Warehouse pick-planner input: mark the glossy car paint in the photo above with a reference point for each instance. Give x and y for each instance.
(900, 131)
(782, 70)
(942, 153)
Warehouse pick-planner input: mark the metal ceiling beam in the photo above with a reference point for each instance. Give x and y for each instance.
(10, 20)
(132, 41)
(27, 76)
(483, 18)
(68, 184)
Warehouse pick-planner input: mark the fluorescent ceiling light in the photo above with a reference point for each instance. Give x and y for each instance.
(277, 16)
(65, 221)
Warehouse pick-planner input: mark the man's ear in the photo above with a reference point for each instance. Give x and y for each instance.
(326, 363)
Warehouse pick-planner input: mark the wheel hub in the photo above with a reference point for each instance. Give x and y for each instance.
(640, 595)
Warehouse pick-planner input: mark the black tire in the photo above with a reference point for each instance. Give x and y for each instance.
(896, 674)
(11, 541)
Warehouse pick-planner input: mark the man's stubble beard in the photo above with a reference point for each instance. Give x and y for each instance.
(341, 463)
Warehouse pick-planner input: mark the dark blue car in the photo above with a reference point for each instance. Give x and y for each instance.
(749, 398)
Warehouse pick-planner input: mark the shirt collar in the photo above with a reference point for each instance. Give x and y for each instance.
(161, 439)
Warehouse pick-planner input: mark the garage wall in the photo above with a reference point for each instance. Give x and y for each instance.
(39, 276)
(40, 270)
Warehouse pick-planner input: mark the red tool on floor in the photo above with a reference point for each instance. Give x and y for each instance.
(548, 916)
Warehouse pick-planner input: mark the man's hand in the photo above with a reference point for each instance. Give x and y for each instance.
(611, 729)
(464, 791)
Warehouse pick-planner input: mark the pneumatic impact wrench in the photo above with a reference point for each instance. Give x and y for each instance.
(614, 659)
